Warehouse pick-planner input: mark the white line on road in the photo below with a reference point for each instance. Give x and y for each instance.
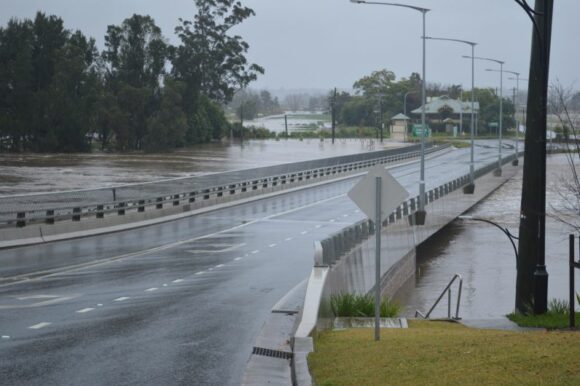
(40, 325)
(289, 239)
(219, 265)
(5, 336)
(200, 273)
(303, 232)
(272, 245)
(238, 258)
(165, 285)
(151, 289)
(122, 299)
(85, 310)
(99, 305)
(318, 226)
(256, 251)
(345, 215)
(177, 281)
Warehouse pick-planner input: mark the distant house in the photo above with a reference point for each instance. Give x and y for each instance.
(399, 131)
(443, 112)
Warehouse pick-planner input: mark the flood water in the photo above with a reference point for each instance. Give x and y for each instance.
(483, 255)
(31, 173)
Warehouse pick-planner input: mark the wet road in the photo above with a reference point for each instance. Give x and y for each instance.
(175, 303)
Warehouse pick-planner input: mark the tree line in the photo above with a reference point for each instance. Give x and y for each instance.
(58, 93)
(377, 97)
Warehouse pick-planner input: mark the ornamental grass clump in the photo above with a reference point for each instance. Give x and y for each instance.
(354, 305)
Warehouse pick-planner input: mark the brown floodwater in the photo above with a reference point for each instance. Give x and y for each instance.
(31, 173)
(483, 255)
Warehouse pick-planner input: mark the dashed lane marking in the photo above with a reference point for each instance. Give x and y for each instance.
(219, 265)
(40, 325)
(85, 310)
(272, 245)
(122, 299)
(331, 220)
(238, 258)
(318, 226)
(289, 239)
(256, 251)
(177, 281)
(5, 336)
(151, 289)
(200, 273)
(303, 232)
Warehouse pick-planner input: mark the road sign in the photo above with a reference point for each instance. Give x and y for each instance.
(364, 193)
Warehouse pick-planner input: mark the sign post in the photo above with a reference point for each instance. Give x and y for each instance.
(377, 195)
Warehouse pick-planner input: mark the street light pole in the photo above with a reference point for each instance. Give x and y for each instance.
(497, 172)
(469, 189)
(420, 214)
(405, 101)
(517, 79)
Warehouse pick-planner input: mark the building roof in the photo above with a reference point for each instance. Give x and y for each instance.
(400, 117)
(435, 104)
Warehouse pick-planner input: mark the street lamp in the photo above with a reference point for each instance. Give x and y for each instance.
(497, 172)
(469, 189)
(506, 231)
(517, 79)
(405, 101)
(419, 214)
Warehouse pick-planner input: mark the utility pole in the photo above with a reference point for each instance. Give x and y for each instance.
(333, 114)
(532, 277)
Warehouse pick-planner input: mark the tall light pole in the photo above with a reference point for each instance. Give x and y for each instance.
(419, 214)
(517, 74)
(469, 189)
(405, 101)
(497, 171)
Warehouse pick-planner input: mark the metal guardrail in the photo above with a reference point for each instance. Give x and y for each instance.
(340, 243)
(448, 291)
(187, 193)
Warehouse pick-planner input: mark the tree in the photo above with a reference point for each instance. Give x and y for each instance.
(135, 55)
(166, 128)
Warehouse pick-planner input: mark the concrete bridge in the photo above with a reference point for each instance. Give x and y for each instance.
(192, 298)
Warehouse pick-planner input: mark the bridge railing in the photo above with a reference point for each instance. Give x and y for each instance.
(340, 243)
(185, 194)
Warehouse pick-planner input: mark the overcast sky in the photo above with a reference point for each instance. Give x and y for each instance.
(320, 44)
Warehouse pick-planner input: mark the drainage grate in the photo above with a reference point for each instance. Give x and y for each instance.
(267, 352)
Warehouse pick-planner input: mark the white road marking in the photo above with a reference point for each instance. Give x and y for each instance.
(85, 310)
(318, 226)
(331, 220)
(99, 305)
(289, 238)
(122, 299)
(272, 245)
(345, 215)
(40, 325)
(256, 251)
(219, 265)
(238, 258)
(165, 285)
(200, 273)
(177, 281)
(210, 269)
(5, 336)
(303, 232)
(357, 211)
(151, 289)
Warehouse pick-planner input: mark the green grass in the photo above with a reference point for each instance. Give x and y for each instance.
(445, 353)
(556, 318)
(346, 304)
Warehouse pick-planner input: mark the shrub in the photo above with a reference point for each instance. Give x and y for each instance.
(354, 305)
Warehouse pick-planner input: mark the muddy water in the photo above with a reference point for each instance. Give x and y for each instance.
(28, 173)
(484, 256)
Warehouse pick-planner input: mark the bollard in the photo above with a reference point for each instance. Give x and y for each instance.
(159, 204)
(76, 214)
(100, 211)
(141, 207)
(49, 216)
(121, 211)
(20, 219)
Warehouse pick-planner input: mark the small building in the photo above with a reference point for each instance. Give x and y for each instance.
(399, 127)
(443, 112)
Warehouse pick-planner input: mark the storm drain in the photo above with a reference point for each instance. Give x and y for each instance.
(267, 352)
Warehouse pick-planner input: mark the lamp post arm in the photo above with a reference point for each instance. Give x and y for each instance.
(506, 231)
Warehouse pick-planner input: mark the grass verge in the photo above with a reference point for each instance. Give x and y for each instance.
(445, 353)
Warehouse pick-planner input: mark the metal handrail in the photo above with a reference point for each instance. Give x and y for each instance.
(448, 291)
